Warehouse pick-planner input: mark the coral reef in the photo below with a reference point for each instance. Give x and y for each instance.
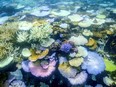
(70, 43)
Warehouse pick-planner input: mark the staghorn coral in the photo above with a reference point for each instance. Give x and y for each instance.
(41, 32)
(8, 31)
(5, 48)
(22, 36)
(7, 34)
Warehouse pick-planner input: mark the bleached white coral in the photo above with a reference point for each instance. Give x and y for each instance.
(41, 32)
(47, 42)
(24, 25)
(87, 32)
(6, 61)
(22, 36)
(82, 52)
(80, 40)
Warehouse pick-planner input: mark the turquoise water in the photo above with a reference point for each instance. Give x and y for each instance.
(57, 43)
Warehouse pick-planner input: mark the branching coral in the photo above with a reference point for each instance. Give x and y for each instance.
(6, 37)
(7, 34)
(5, 48)
(41, 32)
(37, 33)
(7, 31)
(22, 36)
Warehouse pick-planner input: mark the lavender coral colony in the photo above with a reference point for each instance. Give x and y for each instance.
(52, 44)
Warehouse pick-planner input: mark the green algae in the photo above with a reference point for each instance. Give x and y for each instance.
(110, 66)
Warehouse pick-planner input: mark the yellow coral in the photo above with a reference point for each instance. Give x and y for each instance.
(109, 32)
(76, 62)
(65, 67)
(92, 44)
(97, 34)
(36, 56)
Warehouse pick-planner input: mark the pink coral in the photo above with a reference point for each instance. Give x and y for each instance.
(42, 70)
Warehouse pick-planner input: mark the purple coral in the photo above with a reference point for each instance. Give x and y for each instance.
(79, 78)
(25, 66)
(43, 69)
(66, 47)
(94, 63)
(17, 83)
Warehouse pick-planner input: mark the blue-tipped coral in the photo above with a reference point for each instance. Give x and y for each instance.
(94, 63)
(66, 47)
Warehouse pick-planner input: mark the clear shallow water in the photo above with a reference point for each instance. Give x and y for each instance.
(51, 43)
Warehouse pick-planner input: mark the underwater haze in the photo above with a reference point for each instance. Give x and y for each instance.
(57, 43)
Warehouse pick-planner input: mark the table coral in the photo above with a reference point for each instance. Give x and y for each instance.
(94, 63)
